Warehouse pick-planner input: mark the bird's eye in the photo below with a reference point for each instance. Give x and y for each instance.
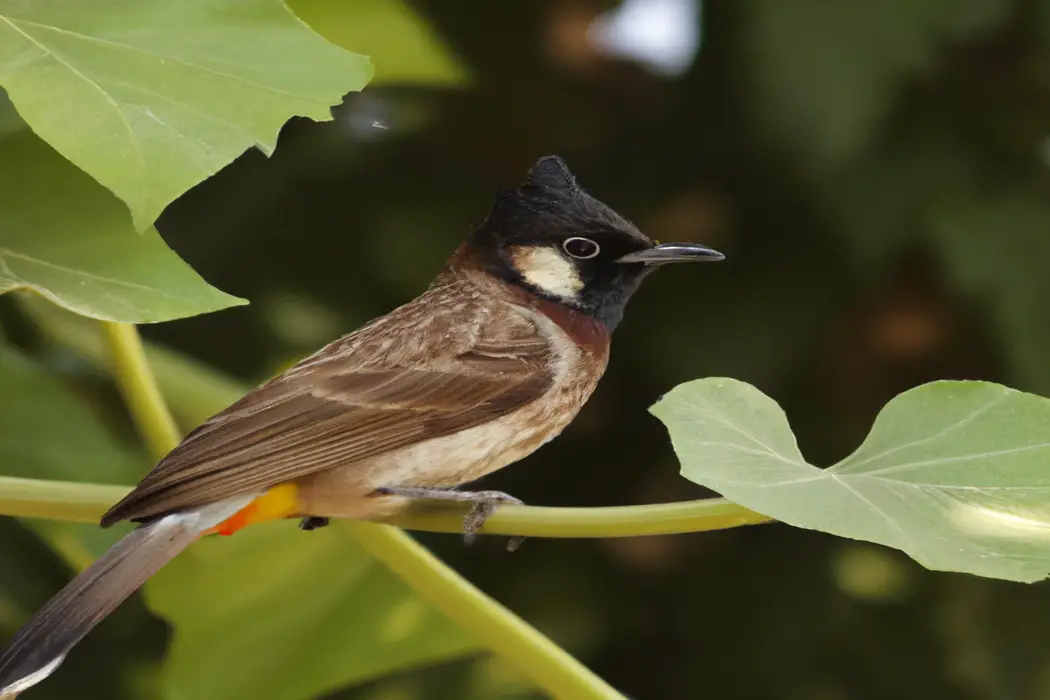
(582, 248)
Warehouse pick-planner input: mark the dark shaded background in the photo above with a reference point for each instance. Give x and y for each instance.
(877, 174)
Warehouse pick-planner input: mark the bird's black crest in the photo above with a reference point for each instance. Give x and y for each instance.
(549, 206)
(551, 173)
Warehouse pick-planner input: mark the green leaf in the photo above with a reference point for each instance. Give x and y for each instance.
(67, 238)
(37, 405)
(953, 473)
(151, 98)
(402, 46)
(282, 614)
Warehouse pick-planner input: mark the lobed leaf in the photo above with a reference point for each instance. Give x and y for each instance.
(151, 98)
(68, 239)
(953, 473)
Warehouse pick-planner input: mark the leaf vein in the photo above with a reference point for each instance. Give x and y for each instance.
(929, 438)
(137, 147)
(189, 108)
(83, 273)
(949, 487)
(176, 59)
(908, 544)
(952, 460)
(724, 421)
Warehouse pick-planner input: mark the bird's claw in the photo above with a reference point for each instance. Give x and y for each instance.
(313, 522)
(485, 503)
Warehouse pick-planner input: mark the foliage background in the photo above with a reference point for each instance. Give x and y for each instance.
(877, 175)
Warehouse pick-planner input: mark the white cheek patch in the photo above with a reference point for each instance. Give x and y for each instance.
(547, 269)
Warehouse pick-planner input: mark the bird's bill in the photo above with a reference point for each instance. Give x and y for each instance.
(671, 253)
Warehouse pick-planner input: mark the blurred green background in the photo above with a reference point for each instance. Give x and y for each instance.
(877, 174)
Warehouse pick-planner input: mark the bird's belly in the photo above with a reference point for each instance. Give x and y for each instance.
(441, 462)
(467, 455)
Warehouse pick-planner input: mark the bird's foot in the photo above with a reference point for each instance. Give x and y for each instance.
(484, 505)
(313, 522)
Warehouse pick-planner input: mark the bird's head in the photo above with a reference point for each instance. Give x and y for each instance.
(560, 243)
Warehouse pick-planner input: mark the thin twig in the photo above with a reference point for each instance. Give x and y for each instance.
(63, 500)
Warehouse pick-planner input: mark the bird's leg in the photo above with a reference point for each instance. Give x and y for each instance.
(485, 503)
(313, 522)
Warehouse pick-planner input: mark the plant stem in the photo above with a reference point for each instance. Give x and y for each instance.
(534, 655)
(56, 500)
(63, 500)
(155, 425)
(612, 521)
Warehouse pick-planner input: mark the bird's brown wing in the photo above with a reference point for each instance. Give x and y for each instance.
(341, 406)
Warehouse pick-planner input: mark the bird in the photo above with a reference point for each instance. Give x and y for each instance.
(493, 360)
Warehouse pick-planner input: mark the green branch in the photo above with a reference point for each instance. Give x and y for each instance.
(62, 500)
(56, 500)
(139, 389)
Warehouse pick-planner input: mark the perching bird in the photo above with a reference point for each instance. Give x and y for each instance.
(491, 362)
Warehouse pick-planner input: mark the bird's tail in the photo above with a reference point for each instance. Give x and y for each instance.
(41, 645)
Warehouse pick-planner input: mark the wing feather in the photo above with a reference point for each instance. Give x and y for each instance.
(350, 402)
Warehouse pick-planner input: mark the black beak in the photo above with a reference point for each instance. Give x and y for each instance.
(672, 252)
